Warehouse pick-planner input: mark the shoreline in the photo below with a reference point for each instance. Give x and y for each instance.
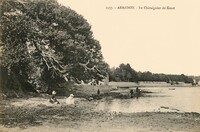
(20, 116)
(35, 113)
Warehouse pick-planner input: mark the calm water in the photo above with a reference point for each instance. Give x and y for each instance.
(182, 99)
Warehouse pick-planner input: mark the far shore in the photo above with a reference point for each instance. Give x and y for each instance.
(149, 84)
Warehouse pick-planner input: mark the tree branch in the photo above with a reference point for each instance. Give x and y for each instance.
(86, 67)
(50, 61)
(46, 63)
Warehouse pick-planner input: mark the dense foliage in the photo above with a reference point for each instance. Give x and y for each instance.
(123, 73)
(45, 44)
(127, 74)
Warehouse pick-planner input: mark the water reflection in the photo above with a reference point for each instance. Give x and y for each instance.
(163, 100)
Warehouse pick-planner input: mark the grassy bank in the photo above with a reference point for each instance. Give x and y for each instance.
(90, 92)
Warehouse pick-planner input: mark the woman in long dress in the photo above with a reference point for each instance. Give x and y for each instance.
(70, 100)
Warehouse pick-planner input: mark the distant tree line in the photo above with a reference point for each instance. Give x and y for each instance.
(125, 73)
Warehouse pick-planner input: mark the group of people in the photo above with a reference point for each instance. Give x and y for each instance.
(69, 100)
(138, 91)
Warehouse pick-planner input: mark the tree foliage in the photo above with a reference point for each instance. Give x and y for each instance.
(127, 74)
(45, 44)
(123, 73)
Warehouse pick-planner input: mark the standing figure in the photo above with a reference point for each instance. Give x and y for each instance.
(131, 92)
(98, 92)
(137, 92)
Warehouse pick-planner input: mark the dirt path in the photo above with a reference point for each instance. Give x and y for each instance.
(36, 114)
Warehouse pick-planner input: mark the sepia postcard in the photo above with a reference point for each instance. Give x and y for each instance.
(99, 65)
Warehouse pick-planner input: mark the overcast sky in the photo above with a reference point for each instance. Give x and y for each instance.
(160, 41)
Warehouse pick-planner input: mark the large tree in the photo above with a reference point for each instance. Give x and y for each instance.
(45, 44)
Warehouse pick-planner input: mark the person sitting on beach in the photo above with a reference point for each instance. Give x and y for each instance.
(53, 98)
(70, 100)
